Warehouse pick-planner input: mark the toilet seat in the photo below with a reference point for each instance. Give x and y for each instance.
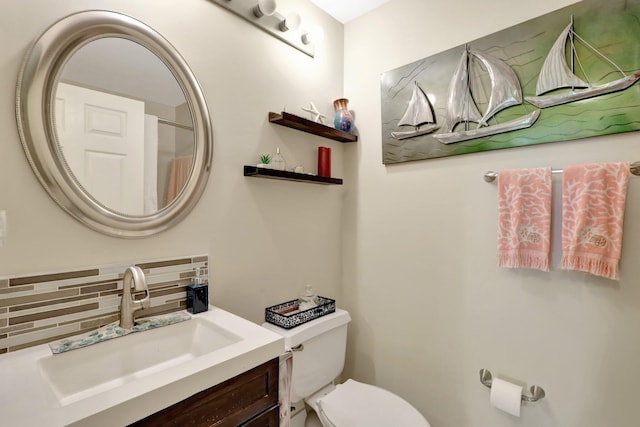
(355, 404)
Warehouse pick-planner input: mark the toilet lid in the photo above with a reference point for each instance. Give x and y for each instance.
(355, 404)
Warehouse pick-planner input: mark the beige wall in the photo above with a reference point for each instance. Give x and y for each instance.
(265, 239)
(430, 308)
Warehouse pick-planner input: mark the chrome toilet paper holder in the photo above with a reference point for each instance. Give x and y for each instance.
(537, 392)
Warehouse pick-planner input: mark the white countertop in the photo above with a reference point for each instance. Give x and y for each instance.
(27, 399)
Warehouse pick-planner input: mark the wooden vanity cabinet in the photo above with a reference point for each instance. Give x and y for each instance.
(248, 400)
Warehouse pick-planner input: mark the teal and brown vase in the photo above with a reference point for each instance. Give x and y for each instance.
(343, 119)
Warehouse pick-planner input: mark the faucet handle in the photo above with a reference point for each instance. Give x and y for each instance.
(146, 301)
(139, 285)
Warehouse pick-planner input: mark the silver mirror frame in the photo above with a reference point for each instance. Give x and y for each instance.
(37, 80)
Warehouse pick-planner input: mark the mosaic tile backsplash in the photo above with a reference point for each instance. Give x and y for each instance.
(37, 309)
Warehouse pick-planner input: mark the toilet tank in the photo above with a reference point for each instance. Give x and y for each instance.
(321, 360)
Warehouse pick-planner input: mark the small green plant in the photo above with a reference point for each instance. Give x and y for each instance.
(265, 159)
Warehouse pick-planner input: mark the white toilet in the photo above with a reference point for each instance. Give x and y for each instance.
(318, 358)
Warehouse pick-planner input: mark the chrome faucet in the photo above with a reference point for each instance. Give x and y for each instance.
(128, 305)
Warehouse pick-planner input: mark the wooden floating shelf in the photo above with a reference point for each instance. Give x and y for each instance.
(289, 176)
(309, 126)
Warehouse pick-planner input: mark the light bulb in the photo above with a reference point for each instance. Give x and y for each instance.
(291, 22)
(313, 35)
(265, 8)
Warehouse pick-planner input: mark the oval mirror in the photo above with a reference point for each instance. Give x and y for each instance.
(114, 124)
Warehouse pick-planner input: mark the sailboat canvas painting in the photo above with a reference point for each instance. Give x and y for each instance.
(570, 74)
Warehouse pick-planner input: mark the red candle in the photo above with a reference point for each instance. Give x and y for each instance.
(324, 161)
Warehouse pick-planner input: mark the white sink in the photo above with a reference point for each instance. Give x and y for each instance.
(79, 374)
(121, 380)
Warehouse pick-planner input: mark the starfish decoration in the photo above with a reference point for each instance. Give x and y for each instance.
(316, 116)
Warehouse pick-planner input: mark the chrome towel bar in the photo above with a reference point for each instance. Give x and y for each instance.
(537, 392)
(491, 176)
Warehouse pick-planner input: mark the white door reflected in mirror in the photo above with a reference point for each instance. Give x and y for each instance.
(109, 88)
(100, 135)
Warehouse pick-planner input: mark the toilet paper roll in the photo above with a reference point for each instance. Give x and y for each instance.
(506, 396)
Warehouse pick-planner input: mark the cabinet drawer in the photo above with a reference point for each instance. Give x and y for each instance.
(271, 418)
(231, 403)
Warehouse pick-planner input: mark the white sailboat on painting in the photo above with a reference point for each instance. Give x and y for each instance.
(556, 74)
(462, 108)
(419, 115)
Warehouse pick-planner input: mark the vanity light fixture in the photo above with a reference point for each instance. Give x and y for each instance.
(264, 15)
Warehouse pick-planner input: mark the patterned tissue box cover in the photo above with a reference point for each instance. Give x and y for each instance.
(287, 315)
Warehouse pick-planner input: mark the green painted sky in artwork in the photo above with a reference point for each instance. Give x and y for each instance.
(613, 27)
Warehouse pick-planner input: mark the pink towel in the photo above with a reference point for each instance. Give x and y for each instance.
(524, 218)
(593, 198)
(180, 170)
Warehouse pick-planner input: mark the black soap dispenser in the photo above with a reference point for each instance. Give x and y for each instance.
(198, 294)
